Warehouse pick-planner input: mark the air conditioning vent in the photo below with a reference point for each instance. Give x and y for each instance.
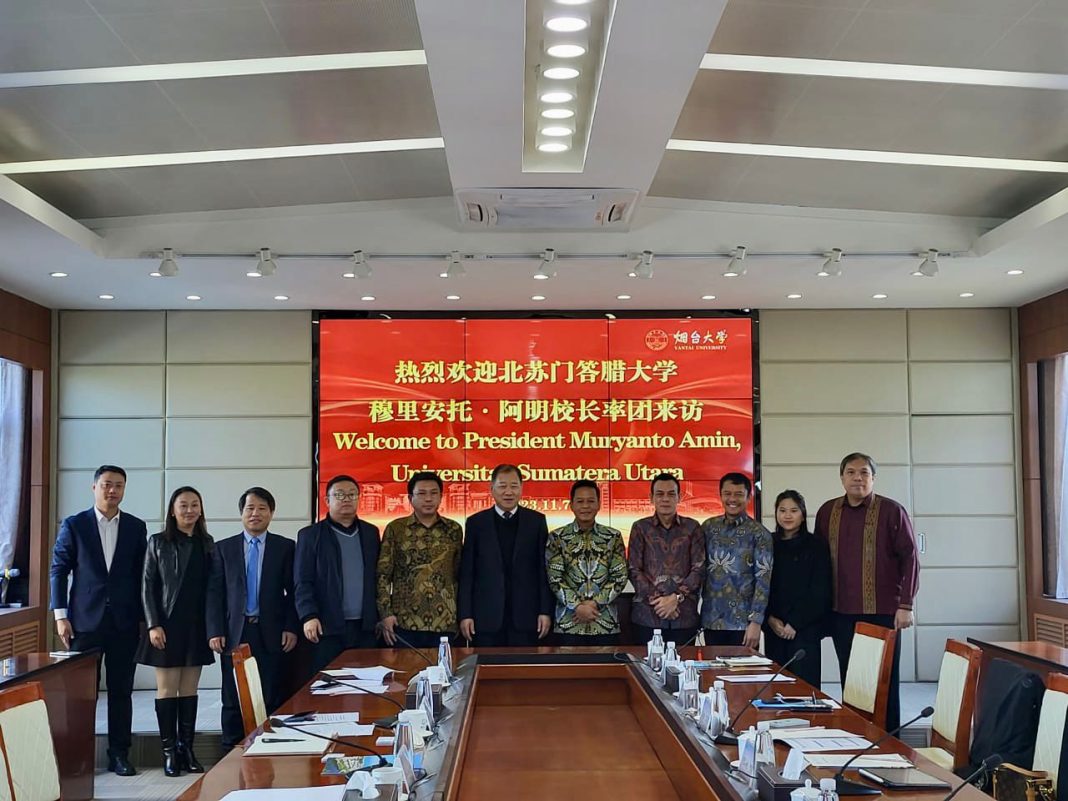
(1051, 630)
(547, 209)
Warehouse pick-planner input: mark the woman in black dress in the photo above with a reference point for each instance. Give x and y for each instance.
(800, 597)
(174, 592)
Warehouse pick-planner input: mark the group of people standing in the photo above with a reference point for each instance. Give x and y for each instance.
(504, 580)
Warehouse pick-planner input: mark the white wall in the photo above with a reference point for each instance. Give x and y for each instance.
(217, 400)
(929, 394)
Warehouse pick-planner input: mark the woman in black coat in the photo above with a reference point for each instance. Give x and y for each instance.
(174, 593)
(800, 597)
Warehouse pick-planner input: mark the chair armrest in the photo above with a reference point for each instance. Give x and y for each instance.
(1027, 774)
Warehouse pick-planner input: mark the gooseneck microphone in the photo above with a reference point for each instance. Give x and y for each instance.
(845, 787)
(348, 744)
(411, 647)
(382, 723)
(990, 762)
(728, 737)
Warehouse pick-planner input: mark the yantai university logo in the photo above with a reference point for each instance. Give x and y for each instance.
(657, 339)
(697, 339)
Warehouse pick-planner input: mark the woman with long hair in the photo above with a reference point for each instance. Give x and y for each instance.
(174, 592)
(800, 597)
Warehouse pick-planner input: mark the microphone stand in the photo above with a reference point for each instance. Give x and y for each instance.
(278, 722)
(844, 786)
(991, 761)
(728, 736)
(382, 723)
(411, 647)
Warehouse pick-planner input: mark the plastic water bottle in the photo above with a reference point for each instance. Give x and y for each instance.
(671, 659)
(806, 793)
(828, 791)
(445, 658)
(655, 655)
(689, 689)
(747, 754)
(402, 737)
(765, 750)
(719, 689)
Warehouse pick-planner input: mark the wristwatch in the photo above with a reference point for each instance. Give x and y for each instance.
(680, 597)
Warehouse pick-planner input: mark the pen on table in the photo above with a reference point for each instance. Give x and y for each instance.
(281, 740)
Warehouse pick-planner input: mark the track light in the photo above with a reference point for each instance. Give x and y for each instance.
(168, 267)
(455, 268)
(736, 266)
(265, 267)
(644, 267)
(361, 269)
(929, 266)
(547, 268)
(833, 266)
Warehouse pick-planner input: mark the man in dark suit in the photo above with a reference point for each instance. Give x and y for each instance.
(250, 600)
(505, 598)
(106, 552)
(335, 567)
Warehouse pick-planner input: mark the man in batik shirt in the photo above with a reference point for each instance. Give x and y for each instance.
(587, 569)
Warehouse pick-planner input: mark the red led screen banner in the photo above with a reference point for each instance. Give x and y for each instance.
(615, 401)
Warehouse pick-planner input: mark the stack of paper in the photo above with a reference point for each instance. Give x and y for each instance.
(377, 673)
(808, 745)
(866, 761)
(746, 661)
(329, 792)
(755, 677)
(354, 687)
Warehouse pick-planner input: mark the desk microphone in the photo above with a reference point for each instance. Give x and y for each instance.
(728, 737)
(384, 723)
(989, 763)
(283, 725)
(411, 647)
(845, 787)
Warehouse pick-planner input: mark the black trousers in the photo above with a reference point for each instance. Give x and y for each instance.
(508, 638)
(571, 640)
(642, 635)
(808, 667)
(724, 636)
(268, 660)
(842, 633)
(330, 647)
(118, 646)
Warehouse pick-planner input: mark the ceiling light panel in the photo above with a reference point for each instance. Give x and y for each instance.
(564, 58)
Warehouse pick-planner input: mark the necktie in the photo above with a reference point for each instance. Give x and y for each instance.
(507, 515)
(252, 576)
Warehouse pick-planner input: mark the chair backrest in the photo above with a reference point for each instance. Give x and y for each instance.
(958, 678)
(249, 688)
(1051, 722)
(29, 753)
(867, 684)
(6, 792)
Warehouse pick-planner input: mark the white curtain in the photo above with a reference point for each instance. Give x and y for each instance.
(14, 387)
(1055, 476)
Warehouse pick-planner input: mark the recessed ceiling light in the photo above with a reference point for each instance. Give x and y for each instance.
(537, 297)
(452, 297)
(558, 113)
(622, 297)
(192, 297)
(106, 297)
(708, 297)
(254, 274)
(155, 274)
(572, 2)
(879, 296)
(1015, 272)
(794, 296)
(348, 275)
(557, 96)
(560, 73)
(58, 275)
(368, 297)
(557, 130)
(281, 297)
(565, 50)
(967, 294)
(566, 24)
(554, 147)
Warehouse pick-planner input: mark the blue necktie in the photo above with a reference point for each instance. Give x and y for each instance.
(252, 576)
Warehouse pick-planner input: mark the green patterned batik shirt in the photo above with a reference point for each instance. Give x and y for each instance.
(586, 565)
(418, 569)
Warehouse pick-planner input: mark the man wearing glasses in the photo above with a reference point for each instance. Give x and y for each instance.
(334, 577)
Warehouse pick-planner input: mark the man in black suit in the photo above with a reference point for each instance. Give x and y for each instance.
(505, 598)
(250, 600)
(335, 568)
(106, 552)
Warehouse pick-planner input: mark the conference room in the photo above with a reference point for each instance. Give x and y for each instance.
(260, 244)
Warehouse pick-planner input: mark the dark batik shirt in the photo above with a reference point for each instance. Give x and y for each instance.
(418, 568)
(664, 561)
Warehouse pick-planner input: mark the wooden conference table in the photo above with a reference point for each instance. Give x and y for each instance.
(551, 723)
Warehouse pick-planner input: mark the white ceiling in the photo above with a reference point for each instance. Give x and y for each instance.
(97, 225)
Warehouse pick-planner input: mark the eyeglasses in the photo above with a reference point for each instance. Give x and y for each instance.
(344, 496)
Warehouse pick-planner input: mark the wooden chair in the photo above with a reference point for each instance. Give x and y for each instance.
(249, 688)
(1014, 783)
(951, 728)
(867, 684)
(29, 754)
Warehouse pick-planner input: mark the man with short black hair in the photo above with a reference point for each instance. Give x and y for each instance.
(106, 552)
(739, 553)
(334, 580)
(419, 568)
(250, 600)
(505, 598)
(876, 572)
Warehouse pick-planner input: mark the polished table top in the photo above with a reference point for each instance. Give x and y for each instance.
(27, 667)
(1052, 655)
(237, 772)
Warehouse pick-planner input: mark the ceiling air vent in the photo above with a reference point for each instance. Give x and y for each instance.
(546, 209)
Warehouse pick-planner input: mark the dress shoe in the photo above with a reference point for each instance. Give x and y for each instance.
(120, 766)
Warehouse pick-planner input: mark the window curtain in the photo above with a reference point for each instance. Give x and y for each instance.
(14, 441)
(1054, 439)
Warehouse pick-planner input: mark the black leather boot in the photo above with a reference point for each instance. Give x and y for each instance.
(187, 729)
(167, 718)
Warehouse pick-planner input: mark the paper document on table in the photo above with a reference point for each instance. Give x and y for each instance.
(813, 731)
(378, 673)
(335, 717)
(336, 729)
(285, 743)
(754, 678)
(810, 745)
(739, 661)
(866, 761)
(338, 689)
(329, 792)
